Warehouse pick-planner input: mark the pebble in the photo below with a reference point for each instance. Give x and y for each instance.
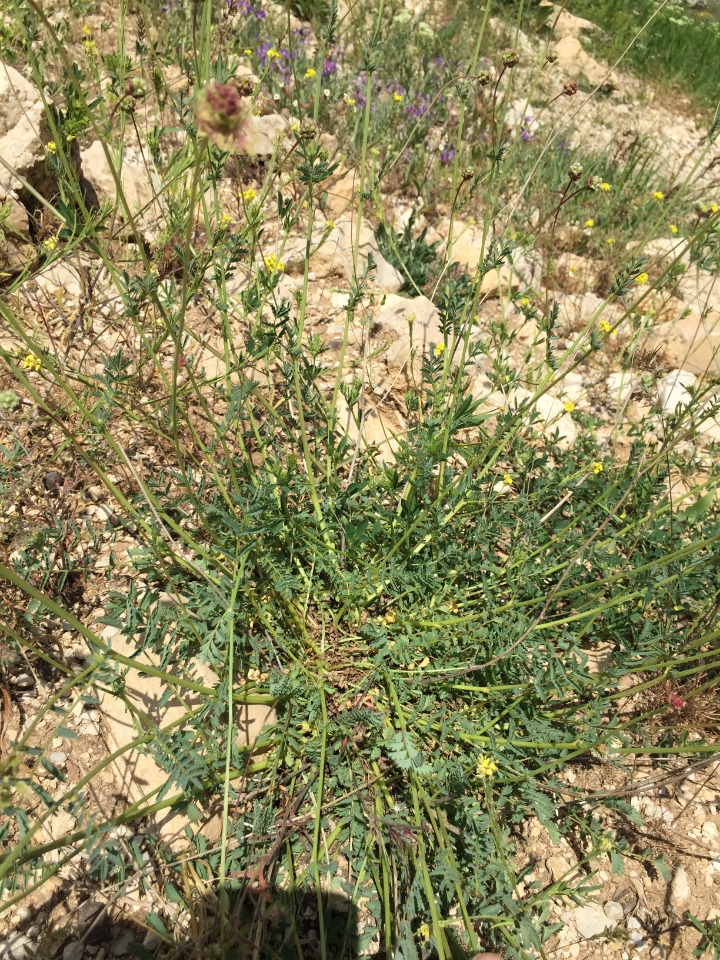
(659, 951)
(24, 681)
(614, 911)
(96, 493)
(23, 914)
(17, 947)
(74, 951)
(679, 889)
(709, 832)
(591, 921)
(558, 868)
(58, 758)
(123, 938)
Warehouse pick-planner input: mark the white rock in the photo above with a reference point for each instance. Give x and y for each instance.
(673, 390)
(386, 276)
(134, 178)
(614, 911)
(17, 947)
(679, 889)
(709, 832)
(558, 868)
(591, 921)
(23, 128)
(58, 758)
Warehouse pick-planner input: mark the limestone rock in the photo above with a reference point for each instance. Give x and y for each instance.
(679, 889)
(573, 58)
(691, 343)
(23, 132)
(262, 134)
(137, 774)
(575, 274)
(16, 247)
(386, 276)
(673, 390)
(592, 921)
(568, 25)
(134, 178)
(413, 326)
(341, 193)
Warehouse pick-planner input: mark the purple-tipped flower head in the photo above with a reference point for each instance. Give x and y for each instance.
(221, 116)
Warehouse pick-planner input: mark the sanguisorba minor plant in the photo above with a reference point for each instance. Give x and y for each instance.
(422, 616)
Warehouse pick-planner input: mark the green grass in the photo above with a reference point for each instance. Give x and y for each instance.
(668, 44)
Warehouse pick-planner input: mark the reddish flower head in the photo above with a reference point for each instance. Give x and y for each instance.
(221, 116)
(676, 701)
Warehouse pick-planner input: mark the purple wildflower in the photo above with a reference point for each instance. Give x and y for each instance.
(419, 107)
(329, 66)
(447, 154)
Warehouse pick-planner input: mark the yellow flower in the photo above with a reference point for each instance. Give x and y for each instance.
(424, 931)
(486, 767)
(439, 350)
(32, 362)
(247, 51)
(508, 479)
(590, 223)
(226, 220)
(597, 467)
(350, 101)
(641, 278)
(49, 244)
(672, 228)
(249, 195)
(273, 265)
(70, 137)
(569, 406)
(329, 224)
(605, 186)
(51, 147)
(525, 302)
(397, 97)
(610, 240)
(90, 48)
(714, 208)
(272, 54)
(658, 195)
(310, 73)
(87, 30)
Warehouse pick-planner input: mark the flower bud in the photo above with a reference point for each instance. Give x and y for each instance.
(468, 173)
(484, 78)
(570, 88)
(551, 56)
(575, 172)
(510, 59)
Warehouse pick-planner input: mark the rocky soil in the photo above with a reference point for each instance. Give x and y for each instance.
(73, 309)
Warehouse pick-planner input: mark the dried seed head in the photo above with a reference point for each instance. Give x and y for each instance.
(551, 56)
(510, 59)
(221, 116)
(468, 173)
(570, 88)
(575, 172)
(484, 78)
(307, 131)
(244, 86)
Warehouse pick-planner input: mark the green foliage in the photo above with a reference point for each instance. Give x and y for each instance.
(412, 256)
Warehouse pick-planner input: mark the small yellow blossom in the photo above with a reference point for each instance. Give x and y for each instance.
(672, 228)
(525, 302)
(439, 350)
(569, 406)
(610, 240)
(329, 224)
(273, 265)
(424, 931)
(658, 195)
(32, 362)
(350, 101)
(51, 147)
(714, 208)
(597, 467)
(249, 195)
(486, 767)
(508, 479)
(641, 278)
(623, 515)
(397, 97)
(87, 30)
(605, 326)
(607, 187)
(272, 54)
(49, 244)
(589, 222)
(247, 51)
(310, 73)
(90, 48)
(226, 220)
(70, 137)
